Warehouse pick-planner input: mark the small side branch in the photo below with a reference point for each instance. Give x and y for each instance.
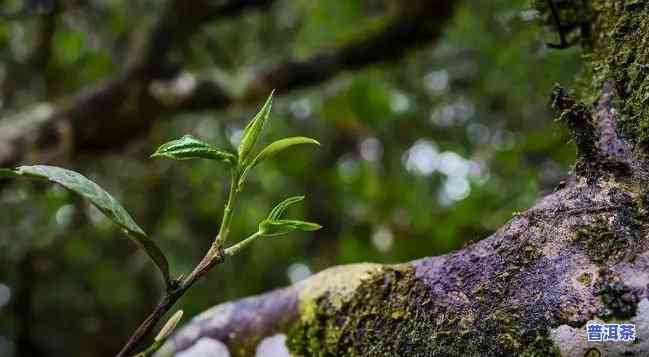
(211, 259)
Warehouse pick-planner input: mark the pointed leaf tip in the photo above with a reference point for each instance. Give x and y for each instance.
(253, 130)
(307, 226)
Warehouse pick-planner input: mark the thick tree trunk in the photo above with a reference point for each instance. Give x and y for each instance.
(579, 255)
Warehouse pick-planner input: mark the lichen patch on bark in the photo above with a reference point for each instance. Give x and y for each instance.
(394, 313)
(338, 283)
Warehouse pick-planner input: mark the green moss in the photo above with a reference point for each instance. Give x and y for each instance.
(577, 118)
(615, 49)
(599, 242)
(620, 53)
(392, 313)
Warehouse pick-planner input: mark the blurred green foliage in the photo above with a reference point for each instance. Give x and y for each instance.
(418, 158)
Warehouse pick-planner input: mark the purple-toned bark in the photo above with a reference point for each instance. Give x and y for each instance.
(579, 255)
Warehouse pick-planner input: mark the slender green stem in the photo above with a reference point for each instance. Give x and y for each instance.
(213, 257)
(215, 254)
(224, 230)
(242, 244)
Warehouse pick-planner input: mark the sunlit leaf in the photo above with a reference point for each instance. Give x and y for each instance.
(280, 145)
(101, 199)
(188, 147)
(253, 130)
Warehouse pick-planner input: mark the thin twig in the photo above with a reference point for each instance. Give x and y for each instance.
(212, 258)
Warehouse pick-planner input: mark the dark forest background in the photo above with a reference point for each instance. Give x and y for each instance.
(420, 154)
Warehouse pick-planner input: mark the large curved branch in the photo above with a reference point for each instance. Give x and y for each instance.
(119, 109)
(529, 289)
(579, 256)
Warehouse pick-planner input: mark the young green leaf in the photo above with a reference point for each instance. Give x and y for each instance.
(274, 226)
(80, 185)
(303, 225)
(279, 209)
(280, 145)
(279, 227)
(253, 130)
(188, 147)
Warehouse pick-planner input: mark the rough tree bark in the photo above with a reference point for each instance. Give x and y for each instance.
(580, 254)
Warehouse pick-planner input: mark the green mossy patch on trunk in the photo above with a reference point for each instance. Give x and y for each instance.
(615, 41)
(392, 313)
(621, 54)
(599, 242)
